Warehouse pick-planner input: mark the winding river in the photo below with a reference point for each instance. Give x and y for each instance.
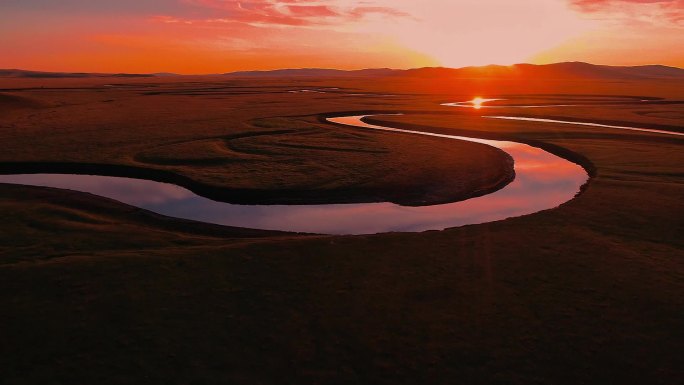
(543, 181)
(589, 124)
(479, 103)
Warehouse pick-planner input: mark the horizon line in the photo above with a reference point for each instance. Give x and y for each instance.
(331, 69)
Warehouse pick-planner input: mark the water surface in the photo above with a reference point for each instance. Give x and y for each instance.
(479, 103)
(543, 181)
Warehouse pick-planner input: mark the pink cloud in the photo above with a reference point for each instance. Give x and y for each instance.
(288, 12)
(312, 11)
(362, 11)
(648, 11)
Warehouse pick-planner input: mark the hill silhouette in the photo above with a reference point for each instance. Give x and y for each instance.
(569, 70)
(566, 70)
(17, 73)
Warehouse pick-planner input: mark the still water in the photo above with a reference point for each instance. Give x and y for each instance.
(543, 181)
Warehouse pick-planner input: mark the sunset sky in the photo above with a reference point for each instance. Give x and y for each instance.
(211, 36)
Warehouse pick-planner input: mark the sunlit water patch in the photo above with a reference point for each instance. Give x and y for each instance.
(589, 124)
(480, 103)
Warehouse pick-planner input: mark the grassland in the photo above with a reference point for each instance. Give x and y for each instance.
(97, 291)
(231, 142)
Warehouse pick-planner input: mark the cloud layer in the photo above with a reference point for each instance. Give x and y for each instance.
(657, 12)
(293, 12)
(206, 36)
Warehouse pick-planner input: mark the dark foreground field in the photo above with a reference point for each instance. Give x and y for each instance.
(94, 291)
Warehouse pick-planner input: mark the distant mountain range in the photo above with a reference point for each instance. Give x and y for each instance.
(15, 73)
(568, 70)
(316, 72)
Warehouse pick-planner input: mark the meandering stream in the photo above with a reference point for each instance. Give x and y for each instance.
(543, 181)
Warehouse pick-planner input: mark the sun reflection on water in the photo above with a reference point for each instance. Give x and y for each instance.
(477, 102)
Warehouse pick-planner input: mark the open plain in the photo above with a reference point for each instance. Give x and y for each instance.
(96, 291)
